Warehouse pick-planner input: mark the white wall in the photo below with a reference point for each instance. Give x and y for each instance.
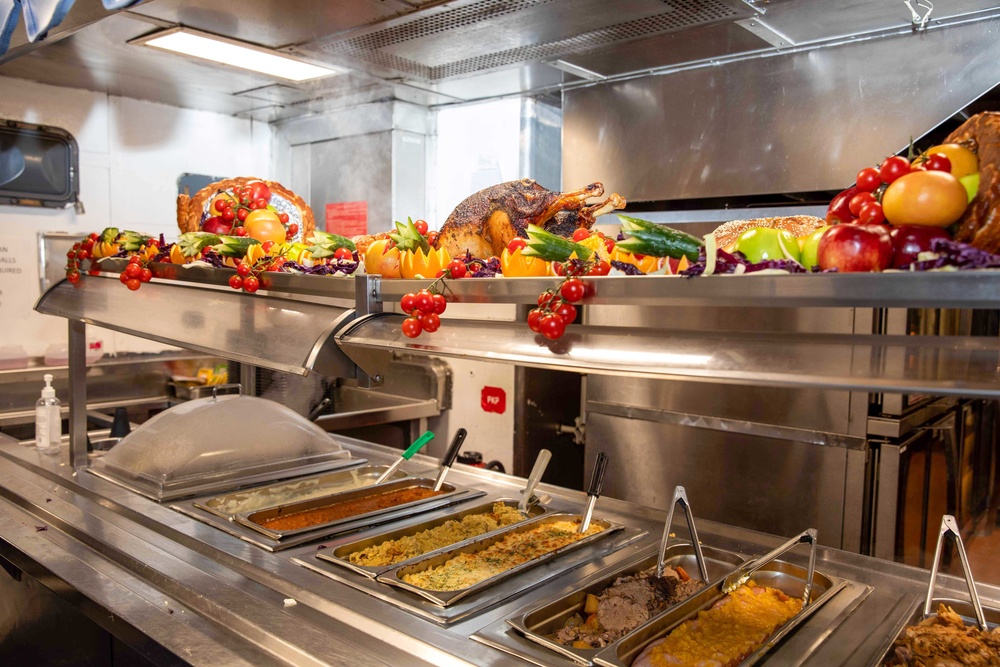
(131, 155)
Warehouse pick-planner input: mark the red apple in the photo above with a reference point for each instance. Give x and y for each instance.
(840, 207)
(855, 248)
(216, 225)
(910, 240)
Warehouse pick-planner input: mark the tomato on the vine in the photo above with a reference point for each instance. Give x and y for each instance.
(243, 269)
(411, 327)
(567, 312)
(572, 290)
(430, 322)
(424, 301)
(145, 276)
(73, 277)
(938, 162)
(546, 298)
(581, 234)
(283, 218)
(123, 277)
(408, 302)
(133, 270)
(892, 168)
(293, 229)
(602, 268)
(133, 284)
(135, 259)
(343, 253)
(609, 243)
(868, 179)
(421, 227)
(516, 243)
(552, 326)
(259, 190)
(228, 214)
(242, 214)
(432, 238)
(534, 319)
(859, 200)
(440, 303)
(457, 269)
(240, 231)
(871, 214)
(251, 284)
(236, 282)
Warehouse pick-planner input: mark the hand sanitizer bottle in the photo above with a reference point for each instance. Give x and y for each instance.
(48, 420)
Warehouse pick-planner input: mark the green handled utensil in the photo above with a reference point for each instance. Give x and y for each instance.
(407, 455)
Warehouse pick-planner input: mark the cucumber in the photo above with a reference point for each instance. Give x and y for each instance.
(234, 246)
(649, 238)
(552, 248)
(326, 244)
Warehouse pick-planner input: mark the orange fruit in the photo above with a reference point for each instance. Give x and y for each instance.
(264, 225)
(963, 161)
(382, 261)
(928, 198)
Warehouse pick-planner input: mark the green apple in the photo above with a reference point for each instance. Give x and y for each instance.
(762, 243)
(810, 248)
(971, 183)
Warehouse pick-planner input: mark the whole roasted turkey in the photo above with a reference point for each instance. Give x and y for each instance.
(980, 224)
(488, 220)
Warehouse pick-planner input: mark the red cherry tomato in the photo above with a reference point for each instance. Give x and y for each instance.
(871, 214)
(260, 191)
(94, 236)
(892, 168)
(535, 316)
(243, 269)
(409, 302)
(93, 271)
(251, 284)
(859, 200)
(82, 253)
(421, 227)
(73, 277)
(440, 303)
(146, 275)
(342, 254)
(293, 229)
(260, 203)
(559, 268)
(430, 322)
(457, 269)
(283, 218)
(236, 282)
(602, 268)
(572, 290)
(516, 243)
(567, 312)
(868, 179)
(432, 238)
(123, 277)
(135, 259)
(240, 231)
(546, 298)
(242, 214)
(133, 270)
(71, 254)
(938, 162)
(581, 234)
(411, 327)
(133, 284)
(609, 243)
(424, 301)
(228, 214)
(552, 326)
(266, 246)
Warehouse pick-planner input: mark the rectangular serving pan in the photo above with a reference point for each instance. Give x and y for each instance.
(252, 519)
(446, 598)
(316, 483)
(786, 577)
(341, 554)
(539, 622)
(962, 607)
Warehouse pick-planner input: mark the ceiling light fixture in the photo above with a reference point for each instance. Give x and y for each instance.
(233, 53)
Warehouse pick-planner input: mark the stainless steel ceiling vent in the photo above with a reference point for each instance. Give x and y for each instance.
(480, 35)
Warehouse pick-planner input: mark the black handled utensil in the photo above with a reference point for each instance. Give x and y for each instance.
(594, 492)
(450, 456)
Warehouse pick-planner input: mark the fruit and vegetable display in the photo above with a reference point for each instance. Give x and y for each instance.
(729, 631)
(945, 639)
(625, 605)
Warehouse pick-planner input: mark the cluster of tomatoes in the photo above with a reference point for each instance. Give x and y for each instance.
(872, 183)
(236, 213)
(424, 309)
(81, 250)
(555, 309)
(136, 273)
(248, 274)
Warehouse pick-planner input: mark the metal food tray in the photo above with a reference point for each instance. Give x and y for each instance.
(302, 484)
(341, 555)
(786, 577)
(447, 598)
(450, 491)
(962, 607)
(540, 622)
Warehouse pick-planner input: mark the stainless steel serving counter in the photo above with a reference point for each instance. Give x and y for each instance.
(178, 590)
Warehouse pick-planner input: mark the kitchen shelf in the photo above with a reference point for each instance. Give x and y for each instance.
(965, 366)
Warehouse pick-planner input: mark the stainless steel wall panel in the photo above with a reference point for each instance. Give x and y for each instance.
(354, 168)
(778, 487)
(799, 122)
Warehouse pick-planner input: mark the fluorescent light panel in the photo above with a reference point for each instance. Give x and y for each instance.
(236, 54)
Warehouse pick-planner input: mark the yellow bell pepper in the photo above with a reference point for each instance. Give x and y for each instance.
(516, 265)
(380, 259)
(596, 244)
(417, 264)
(646, 264)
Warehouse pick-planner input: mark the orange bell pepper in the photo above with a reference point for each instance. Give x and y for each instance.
(380, 259)
(417, 264)
(645, 263)
(104, 249)
(516, 265)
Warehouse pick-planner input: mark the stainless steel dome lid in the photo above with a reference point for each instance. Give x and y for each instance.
(212, 444)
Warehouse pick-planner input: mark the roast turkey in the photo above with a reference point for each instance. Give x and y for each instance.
(980, 225)
(486, 221)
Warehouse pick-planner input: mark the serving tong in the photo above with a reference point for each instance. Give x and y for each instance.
(742, 574)
(541, 463)
(594, 492)
(450, 456)
(406, 456)
(950, 526)
(680, 498)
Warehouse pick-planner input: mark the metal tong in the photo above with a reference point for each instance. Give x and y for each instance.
(680, 497)
(949, 525)
(450, 456)
(594, 492)
(740, 575)
(541, 463)
(407, 455)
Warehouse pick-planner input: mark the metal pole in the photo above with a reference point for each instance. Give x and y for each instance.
(77, 394)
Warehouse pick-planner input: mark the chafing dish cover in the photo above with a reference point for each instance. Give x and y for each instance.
(216, 443)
